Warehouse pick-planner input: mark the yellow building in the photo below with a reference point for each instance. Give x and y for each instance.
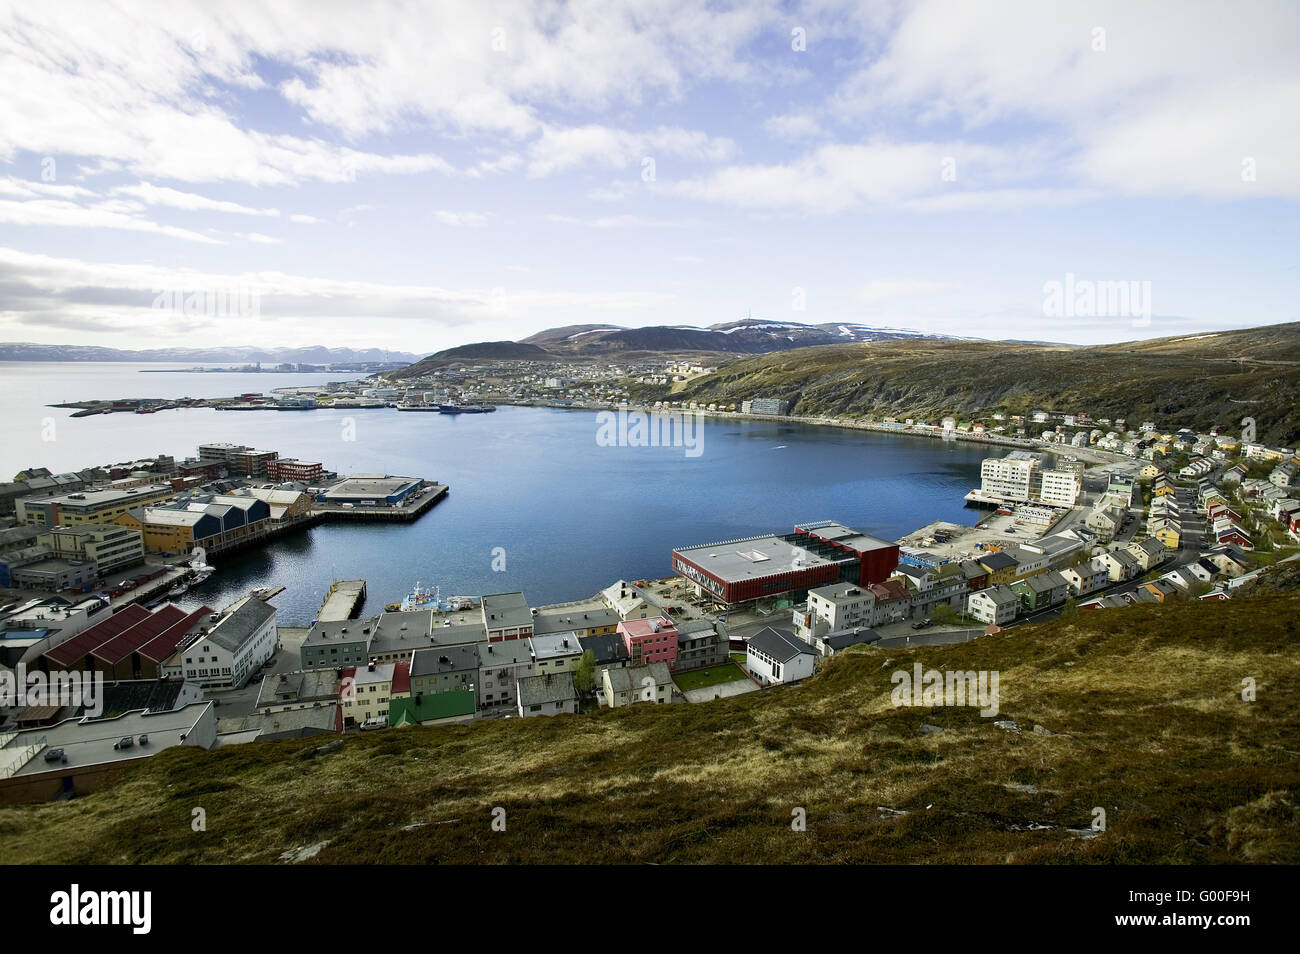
(1150, 472)
(90, 506)
(1168, 536)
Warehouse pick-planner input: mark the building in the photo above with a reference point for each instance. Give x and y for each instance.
(834, 608)
(1001, 567)
(556, 652)
(1014, 477)
(364, 693)
(501, 666)
(333, 644)
(507, 616)
(211, 521)
(994, 604)
(775, 656)
(633, 684)
(815, 555)
(545, 695)
(88, 507)
(371, 490)
(130, 644)
(1148, 553)
(109, 546)
(223, 453)
(1042, 591)
(765, 406)
(649, 640)
(699, 645)
(608, 651)
(1060, 488)
(304, 689)
(1120, 565)
(444, 669)
(307, 471)
(253, 463)
(1083, 578)
(91, 751)
(236, 643)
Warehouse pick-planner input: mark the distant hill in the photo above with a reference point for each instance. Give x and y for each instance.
(716, 342)
(746, 336)
(314, 354)
(1198, 381)
(1137, 710)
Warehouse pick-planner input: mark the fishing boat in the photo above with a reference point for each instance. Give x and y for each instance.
(178, 590)
(200, 567)
(421, 598)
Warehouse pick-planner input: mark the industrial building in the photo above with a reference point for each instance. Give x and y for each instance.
(816, 554)
(371, 489)
(92, 506)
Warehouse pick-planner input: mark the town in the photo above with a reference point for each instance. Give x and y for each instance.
(1160, 515)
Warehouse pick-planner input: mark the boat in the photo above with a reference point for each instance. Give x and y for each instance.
(422, 407)
(178, 590)
(258, 591)
(424, 599)
(466, 408)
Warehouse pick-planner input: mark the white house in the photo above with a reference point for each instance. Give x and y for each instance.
(546, 695)
(994, 604)
(1087, 576)
(232, 646)
(775, 656)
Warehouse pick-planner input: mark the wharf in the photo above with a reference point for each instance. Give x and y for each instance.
(343, 600)
(410, 509)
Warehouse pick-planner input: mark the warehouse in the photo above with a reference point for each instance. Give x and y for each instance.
(816, 554)
(372, 489)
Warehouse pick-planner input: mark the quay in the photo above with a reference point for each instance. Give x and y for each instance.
(343, 601)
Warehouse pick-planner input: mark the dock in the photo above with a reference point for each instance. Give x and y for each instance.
(415, 506)
(343, 600)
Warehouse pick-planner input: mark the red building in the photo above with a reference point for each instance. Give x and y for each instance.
(649, 640)
(289, 469)
(816, 554)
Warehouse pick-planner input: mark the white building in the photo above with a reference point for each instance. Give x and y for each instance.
(833, 608)
(232, 646)
(364, 693)
(546, 695)
(1011, 478)
(775, 656)
(993, 604)
(1060, 488)
(1087, 576)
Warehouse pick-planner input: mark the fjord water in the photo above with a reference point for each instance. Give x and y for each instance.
(569, 516)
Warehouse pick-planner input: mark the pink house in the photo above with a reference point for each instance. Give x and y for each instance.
(649, 640)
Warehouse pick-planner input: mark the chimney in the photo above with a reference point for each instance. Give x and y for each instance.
(371, 667)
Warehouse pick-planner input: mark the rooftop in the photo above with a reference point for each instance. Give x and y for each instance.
(550, 687)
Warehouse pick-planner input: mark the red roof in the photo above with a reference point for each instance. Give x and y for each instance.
(165, 643)
(87, 641)
(128, 641)
(401, 678)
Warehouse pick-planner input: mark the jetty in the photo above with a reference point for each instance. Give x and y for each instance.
(343, 601)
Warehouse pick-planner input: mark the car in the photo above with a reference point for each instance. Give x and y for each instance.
(370, 724)
(922, 624)
(55, 755)
(125, 742)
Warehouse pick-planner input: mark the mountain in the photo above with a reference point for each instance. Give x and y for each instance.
(1198, 381)
(717, 342)
(747, 336)
(1135, 710)
(314, 354)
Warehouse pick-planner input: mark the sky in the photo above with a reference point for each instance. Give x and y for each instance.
(416, 176)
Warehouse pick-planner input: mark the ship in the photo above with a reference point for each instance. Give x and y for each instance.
(424, 599)
(466, 408)
(420, 407)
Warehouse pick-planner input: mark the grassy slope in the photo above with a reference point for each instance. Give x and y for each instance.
(1201, 382)
(1145, 702)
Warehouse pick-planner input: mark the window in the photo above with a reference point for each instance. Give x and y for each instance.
(534, 708)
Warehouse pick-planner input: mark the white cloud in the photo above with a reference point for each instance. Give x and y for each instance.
(188, 201)
(888, 290)
(470, 219)
(257, 238)
(560, 149)
(108, 215)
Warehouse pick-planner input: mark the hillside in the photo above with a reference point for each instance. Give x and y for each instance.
(715, 343)
(472, 353)
(1139, 710)
(1201, 382)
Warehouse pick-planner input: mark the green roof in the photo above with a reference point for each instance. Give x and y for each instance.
(432, 706)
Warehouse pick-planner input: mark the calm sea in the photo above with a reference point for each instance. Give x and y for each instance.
(570, 516)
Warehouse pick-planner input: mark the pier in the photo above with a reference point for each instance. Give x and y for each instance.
(343, 600)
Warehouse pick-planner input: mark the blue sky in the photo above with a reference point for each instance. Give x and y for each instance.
(417, 176)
